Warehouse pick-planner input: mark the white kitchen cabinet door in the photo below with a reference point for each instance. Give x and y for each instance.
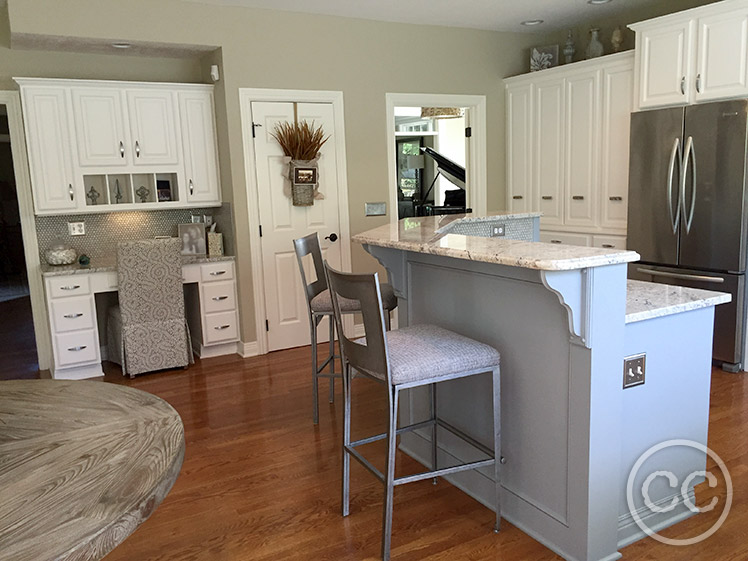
(100, 127)
(548, 161)
(664, 64)
(721, 60)
(200, 146)
(153, 125)
(616, 123)
(47, 125)
(582, 148)
(519, 148)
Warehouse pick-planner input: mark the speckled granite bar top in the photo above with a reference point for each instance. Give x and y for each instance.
(110, 265)
(421, 235)
(647, 300)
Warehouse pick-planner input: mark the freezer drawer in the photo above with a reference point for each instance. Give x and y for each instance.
(729, 318)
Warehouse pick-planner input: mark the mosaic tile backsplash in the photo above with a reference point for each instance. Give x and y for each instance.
(103, 231)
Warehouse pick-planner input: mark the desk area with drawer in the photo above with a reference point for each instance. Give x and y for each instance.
(77, 299)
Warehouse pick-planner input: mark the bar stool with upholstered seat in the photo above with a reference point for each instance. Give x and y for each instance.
(319, 306)
(415, 356)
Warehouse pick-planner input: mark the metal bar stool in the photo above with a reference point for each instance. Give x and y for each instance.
(410, 357)
(319, 305)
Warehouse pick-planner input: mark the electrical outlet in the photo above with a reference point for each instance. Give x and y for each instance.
(76, 228)
(498, 230)
(196, 218)
(634, 368)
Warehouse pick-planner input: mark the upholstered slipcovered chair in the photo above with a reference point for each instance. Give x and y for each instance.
(148, 330)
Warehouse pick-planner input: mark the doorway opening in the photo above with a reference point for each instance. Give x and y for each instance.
(19, 359)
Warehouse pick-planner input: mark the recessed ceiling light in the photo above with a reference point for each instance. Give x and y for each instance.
(121, 45)
(532, 22)
(596, 2)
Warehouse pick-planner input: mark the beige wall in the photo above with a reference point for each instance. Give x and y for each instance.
(268, 49)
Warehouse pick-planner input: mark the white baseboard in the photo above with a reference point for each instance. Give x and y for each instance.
(246, 350)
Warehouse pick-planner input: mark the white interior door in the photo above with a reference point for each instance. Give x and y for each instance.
(281, 222)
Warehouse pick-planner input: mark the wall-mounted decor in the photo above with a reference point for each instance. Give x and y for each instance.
(543, 57)
(193, 238)
(301, 143)
(303, 176)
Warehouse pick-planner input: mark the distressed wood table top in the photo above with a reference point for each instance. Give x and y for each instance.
(82, 465)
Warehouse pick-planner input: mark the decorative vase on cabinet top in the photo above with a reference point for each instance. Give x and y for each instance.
(595, 47)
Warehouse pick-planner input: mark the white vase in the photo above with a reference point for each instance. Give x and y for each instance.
(595, 47)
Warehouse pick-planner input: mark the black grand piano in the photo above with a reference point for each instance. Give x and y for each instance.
(454, 199)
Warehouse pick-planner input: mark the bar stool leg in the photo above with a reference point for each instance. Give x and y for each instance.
(315, 379)
(332, 359)
(346, 438)
(433, 431)
(497, 442)
(389, 480)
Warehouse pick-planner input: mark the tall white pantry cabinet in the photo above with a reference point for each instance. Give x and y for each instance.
(567, 138)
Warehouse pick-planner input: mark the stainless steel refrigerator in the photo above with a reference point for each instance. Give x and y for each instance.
(687, 208)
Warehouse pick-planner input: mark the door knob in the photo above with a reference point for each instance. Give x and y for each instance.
(332, 237)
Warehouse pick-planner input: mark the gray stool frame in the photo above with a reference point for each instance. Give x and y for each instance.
(372, 361)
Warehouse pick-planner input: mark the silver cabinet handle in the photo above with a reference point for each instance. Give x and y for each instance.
(192, 188)
(70, 190)
(121, 149)
(698, 83)
(608, 246)
(221, 327)
(674, 218)
(556, 241)
(517, 197)
(615, 198)
(683, 85)
(688, 156)
(577, 197)
(70, 287)
(666, 274)
(217, 273)
(76, 349)
(137, 149)
(547, 197)
(219, 298)
(72, 316)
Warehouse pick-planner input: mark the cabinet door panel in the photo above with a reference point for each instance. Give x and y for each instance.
(723, 50)
(664, 65)
(519, 148)
(199, 145)
(565, 238)
(549, 150)
(100, 127)
(50, 153)
(153, 127)
(582, 148)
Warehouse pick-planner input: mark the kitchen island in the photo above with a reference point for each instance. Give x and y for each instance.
(562, 319)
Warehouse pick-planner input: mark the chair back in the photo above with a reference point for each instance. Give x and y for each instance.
(149, 273)
(370, 358)
(309, 245)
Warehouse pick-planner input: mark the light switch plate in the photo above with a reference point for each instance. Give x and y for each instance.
(77, 228)
(634, 368)
(376, 209)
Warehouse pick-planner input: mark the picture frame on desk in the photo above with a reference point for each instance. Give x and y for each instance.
(193, 239)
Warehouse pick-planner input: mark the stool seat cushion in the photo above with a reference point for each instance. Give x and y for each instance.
(322, 303)
(420, 352)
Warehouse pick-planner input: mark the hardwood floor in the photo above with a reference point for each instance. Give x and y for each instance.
(261, 482)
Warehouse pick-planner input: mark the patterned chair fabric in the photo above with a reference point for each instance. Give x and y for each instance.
(148, 331)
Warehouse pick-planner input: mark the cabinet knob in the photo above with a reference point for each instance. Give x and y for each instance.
(609, 246)
(70, 287)
(219, 298)
(683, 85)
(698, 83)
(556, 241)
(217, 273)
(121, 149)
(221, 327)
(615, 198)
(192, 187)
(517, 197)
(78, 348)
(577, 197)
(137, 149)
(73, 316)
(547, 197)
(70, 191)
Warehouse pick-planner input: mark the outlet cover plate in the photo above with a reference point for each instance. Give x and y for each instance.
(77, 228)
(634, 369)
(498, 230)
(375, 209)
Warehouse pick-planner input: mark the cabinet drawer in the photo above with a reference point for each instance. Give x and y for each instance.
(609, 242)
(564, 238)
(218, 297)
(223, 270)
(74, 285)
(72, 314)
(77, 347)
(221, 327)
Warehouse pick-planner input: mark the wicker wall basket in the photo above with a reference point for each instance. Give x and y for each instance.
(302, 195)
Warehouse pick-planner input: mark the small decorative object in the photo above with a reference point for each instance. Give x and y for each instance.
(595, 47)
(215, 242)
(84, 260)
(163, 190)
(117, 192)
(569, 48)
(143, 193)
(193, 238)
(92, 194)
(616, 40)
(60, 254)
(301, 143)
(543, 57)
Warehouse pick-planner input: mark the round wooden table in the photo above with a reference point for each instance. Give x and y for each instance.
(82, 465)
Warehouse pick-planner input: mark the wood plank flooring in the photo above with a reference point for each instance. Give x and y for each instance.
(261, 482)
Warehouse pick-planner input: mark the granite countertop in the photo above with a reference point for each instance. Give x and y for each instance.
(421, 236)
(110, 265)
(647, 300)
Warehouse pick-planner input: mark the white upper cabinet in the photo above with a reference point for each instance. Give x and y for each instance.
(100, 127)
(200, 145)
(154, 134)
(548, 146)
(519, 147)
(693, 56)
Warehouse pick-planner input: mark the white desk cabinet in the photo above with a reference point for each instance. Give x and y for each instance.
(200, 146)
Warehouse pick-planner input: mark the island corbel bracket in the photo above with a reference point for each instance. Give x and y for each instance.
(574, 291)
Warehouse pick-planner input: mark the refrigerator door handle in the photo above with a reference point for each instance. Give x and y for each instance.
(683, 276)
(671, 170)
(689, 155)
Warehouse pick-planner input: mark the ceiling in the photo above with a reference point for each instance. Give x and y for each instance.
(499, 15)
